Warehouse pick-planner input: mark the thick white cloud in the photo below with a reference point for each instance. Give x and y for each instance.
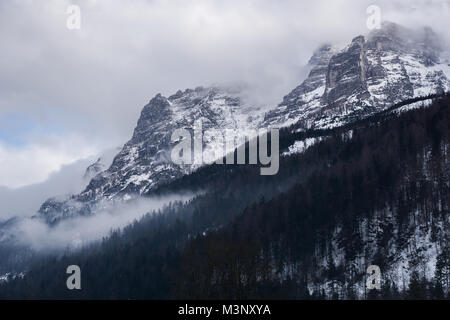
(74, 233)
(94, 81)
(36, 161)
(26, 201)
(70, 179)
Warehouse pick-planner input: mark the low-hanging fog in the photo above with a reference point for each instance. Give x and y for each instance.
(79, 231)
(67, 94)
(70, 179)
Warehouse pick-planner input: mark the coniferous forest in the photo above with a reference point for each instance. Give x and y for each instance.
(374, 192)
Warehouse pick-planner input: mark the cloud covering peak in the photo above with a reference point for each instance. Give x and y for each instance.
(93, 82)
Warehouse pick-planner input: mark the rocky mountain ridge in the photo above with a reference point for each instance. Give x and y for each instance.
(373, 72)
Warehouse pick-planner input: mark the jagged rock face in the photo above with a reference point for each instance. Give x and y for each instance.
(389, 66)
(308, 94)
(145, 160)
(347, 75)
(94, 169)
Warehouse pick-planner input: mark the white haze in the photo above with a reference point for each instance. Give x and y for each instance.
(26, 201)
(74, 233)
(94, 82)
(70, 179)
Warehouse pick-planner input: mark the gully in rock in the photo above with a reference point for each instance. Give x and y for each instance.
(228, 141)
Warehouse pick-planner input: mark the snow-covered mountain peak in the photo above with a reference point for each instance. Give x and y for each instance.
(144, 161)
(373, 72)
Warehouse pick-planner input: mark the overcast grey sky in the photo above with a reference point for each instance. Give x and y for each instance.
(68, 94)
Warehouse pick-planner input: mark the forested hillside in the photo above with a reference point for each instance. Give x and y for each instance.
(374, 192)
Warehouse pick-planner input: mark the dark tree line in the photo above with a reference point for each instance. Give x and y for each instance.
(252, 236)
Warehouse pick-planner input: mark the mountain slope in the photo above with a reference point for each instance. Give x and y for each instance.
(388, 66)
(377, 196)
(145, 162)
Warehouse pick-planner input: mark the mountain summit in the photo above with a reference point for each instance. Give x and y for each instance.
(373, 72)
(370, 74)
(144, 161)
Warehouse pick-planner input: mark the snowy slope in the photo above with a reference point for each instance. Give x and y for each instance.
(145, 161)
(371, 74)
